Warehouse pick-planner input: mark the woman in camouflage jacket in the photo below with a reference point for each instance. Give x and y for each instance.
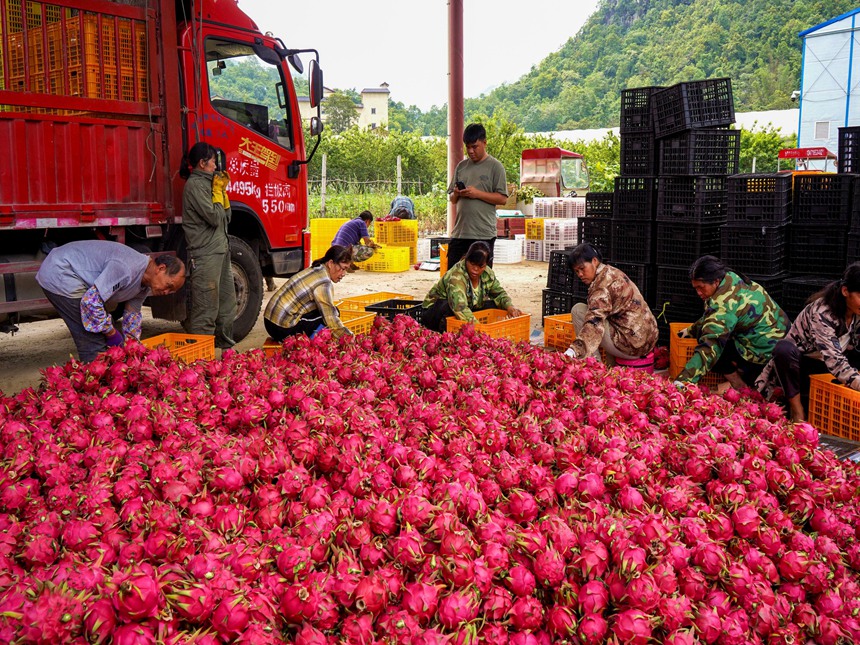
(739, 329)
(829, 328)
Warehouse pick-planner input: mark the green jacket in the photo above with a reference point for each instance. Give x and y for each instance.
(740, 311)
(456, 287)
(204, 223)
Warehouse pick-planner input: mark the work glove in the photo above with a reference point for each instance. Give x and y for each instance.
(219, 189)
(115, 339)
(681, 385)
(570, 353)
(684, 333)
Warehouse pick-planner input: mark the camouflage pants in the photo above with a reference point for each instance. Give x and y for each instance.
(361, 253)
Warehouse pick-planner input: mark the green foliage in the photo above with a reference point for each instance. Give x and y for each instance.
(340, 112)
(763, 145)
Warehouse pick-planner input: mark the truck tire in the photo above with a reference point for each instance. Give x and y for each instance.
(248, 280)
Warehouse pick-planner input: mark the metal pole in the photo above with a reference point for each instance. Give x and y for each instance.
(455, 96)
(399, 177)
(322, 186)
(753, 165)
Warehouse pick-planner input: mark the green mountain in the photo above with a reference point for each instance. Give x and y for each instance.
(640, 43)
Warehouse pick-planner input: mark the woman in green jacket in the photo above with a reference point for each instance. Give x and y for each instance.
(466, 287)
(739, 329)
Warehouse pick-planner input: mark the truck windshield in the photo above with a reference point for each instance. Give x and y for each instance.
(574, 175)
(248, 90)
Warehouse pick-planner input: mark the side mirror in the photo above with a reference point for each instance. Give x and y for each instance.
(316, 126)
(316, 83)
(268, 55)
(297, 63)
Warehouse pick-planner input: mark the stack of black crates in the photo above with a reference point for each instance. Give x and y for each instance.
(697, 153)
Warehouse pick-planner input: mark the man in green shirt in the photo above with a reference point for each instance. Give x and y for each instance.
(478, 186)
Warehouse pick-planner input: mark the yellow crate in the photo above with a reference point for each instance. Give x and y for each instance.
(387, 259)
(271, 347)
(495, 323)
(558, 332)
(323, 230)
(358, 303)
(681, 350)
(358, 322)
(534, 228)
(443, 259)
(186, 347)
(402, 233)
(834, 408)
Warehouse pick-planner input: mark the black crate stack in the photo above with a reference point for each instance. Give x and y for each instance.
(755, 239)
(849, 163)
(696, 154)
(819, 229)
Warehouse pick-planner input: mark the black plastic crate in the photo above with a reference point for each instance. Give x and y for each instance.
(635, 198)
(556, 302)
(390, 308)
(700, 200)
(701, 152)
(639, 153)
(675, 295)
(560, 277)
(642, 275)
(697, 104)
(818, 249)
(849, 150)
(637, 112)
(755, 250)
(599, 204)
(823, 198)
(759, 198)
(773, 284)
(797, 289)
(597, 231)
(633, 242)
(852, 252)
(434, 245)
(662, 327)
(682, 244)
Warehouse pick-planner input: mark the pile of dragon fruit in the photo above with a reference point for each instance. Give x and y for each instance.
(415, 488)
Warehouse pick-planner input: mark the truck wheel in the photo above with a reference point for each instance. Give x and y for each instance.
(248, 280)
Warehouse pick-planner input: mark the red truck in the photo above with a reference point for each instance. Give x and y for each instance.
(99, 100)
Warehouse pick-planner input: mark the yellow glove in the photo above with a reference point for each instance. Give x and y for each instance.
(219, 189)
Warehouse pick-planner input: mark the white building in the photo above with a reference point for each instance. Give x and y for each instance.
(829, 81)
(372, 111)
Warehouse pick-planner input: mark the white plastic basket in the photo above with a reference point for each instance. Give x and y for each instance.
(534, 250)
(561, 230)
(549, 247)
(423, 250)
(507, 252)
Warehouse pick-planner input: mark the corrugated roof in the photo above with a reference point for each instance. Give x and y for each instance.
(829, 22)
(376, 90)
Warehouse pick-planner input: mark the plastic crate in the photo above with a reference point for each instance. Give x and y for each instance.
(567, 207)
(543, 207)
(637, 111)
(818, 249)
(773, 284)
(701, 152)
(434, 245)
(633, 242)
(496, 324)
(323, 230)
(823, 198)
(642, 275)
(423, 249)
(599, 204)
(388, 259)
(697, 104)
(534, 250)
(390, 308)
(681, 350)
(400, 233)
(443, 259)
(550, 246)
(682, 244)
(558, 332)
(849, 150)
(507, 252)
(852, 250)
(556, 302)
(635, 198)
(797, 289)
(597, 231)
(561, 230)
(759, 198)
(699, 200)
(676, 295)
(757, 250)
(271, 347)
(560, 277)
(358, 322)
(534, 228)
(834, 408)
(638, 153)
(358, 303)
(185, 347)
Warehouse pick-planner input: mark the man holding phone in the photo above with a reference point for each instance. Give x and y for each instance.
(478, 186)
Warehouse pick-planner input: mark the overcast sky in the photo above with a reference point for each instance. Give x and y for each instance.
(405, 42)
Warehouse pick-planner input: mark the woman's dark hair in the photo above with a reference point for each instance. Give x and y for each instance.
(583, 253)
(200, 151)
(832, 293)
(708, 269)
(339, 254)
(478, 254)
(367, 216)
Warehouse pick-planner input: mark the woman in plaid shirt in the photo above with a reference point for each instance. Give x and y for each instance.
(305, 302)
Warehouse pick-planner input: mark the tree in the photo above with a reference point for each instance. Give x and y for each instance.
(340, 112)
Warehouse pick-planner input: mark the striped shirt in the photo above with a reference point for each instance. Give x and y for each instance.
(309, 289)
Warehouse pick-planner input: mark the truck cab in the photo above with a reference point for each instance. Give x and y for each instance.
(556, 172)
